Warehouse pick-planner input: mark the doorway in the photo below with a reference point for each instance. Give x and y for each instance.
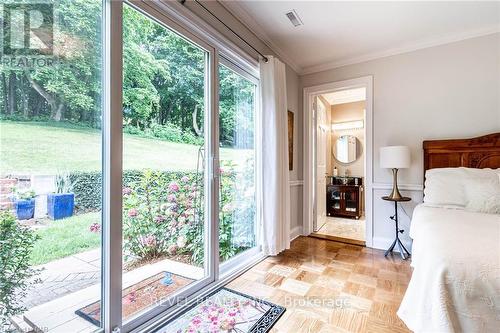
(338, 163)
(340, 160)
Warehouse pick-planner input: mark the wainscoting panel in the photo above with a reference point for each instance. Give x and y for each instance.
(296, 208)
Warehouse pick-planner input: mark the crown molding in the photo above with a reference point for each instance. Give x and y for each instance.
(423, 44)
(238, 10)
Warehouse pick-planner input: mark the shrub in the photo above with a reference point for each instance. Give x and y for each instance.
(16, 244)
(158, 212)
(87, 185)
(168, 132)
(163, 211)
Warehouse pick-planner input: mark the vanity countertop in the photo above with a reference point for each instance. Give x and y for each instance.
(343, 180)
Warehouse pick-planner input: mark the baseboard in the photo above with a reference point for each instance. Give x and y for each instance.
(295, 232)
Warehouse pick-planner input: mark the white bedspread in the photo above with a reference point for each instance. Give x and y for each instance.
(455, 285)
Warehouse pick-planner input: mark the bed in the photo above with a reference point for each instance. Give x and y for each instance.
(455, 285)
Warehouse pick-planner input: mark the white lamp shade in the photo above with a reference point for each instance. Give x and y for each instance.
(395, 157)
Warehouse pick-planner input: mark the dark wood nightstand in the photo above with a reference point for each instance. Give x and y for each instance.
(397, 241)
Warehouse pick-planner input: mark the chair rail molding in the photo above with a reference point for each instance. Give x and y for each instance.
(296, 182)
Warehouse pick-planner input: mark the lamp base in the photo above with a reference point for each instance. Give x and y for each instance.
(395, 195)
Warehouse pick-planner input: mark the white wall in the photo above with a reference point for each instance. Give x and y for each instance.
(292, 89)
(447, 91)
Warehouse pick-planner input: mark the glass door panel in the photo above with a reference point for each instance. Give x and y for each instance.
(237, 195)
(51, 164)
(165, 177)
(351, 201)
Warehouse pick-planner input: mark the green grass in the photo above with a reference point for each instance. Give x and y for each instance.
(47, 148)
(66, 237)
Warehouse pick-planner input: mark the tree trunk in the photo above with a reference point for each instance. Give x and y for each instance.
(12, 93)
(25, 97)
(55, 109)
(4, 90)
(58, 115)
(195, 122)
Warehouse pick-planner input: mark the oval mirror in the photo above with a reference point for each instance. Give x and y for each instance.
(346, 149)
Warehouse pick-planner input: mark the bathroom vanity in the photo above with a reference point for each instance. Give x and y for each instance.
(344, 197)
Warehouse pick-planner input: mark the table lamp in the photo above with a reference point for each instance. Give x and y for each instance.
(395, 157)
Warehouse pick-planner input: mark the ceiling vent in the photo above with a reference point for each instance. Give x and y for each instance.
(294, 18)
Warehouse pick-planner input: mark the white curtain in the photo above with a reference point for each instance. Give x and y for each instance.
(275, 189)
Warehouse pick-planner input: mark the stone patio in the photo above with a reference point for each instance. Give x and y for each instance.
(65, 276)
(71, 283)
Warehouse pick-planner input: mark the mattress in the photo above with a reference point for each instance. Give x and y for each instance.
(455, 285)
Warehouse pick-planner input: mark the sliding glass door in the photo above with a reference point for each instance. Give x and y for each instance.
(127, 137)
(168, 187)
(237, 125)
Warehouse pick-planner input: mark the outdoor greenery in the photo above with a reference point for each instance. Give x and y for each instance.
(50, 148)
(87, 185)
(164, 215)
(66, 237)
(16, 246)
(50, 124)
(163, 84)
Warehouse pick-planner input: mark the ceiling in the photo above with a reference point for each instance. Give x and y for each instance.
(345, 96)
(335, 34)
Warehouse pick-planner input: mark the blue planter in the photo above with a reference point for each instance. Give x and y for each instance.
(25, 209)
(60, 205)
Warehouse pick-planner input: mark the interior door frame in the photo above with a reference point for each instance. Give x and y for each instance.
(309, 150)
(316, 101)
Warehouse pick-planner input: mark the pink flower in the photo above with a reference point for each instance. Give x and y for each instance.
(126, 191)
(196, 321)
(172, 249)
(173, 187)
(132, 212)
(171, 198)
(159, 219)
(185, 179)
(95, 227)
(149, 240)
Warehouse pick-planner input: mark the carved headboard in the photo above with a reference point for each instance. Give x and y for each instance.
(480, 152)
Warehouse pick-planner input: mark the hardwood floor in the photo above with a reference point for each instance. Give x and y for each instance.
(342, 230)
(328, 286)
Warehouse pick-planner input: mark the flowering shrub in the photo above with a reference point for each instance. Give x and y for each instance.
(237, 209)
(157, 214)
(163, 215)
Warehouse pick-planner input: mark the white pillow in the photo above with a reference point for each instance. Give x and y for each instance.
(442, 187)
(482, 196)
(445, 186)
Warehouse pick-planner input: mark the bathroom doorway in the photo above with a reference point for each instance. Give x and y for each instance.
(339, 141)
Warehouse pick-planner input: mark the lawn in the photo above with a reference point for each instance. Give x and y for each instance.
(66, 237)
(45, 148)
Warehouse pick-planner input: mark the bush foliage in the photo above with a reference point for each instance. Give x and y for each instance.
(16, 245)
(163, 214)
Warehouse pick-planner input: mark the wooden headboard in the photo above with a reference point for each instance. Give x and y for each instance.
(481, 152)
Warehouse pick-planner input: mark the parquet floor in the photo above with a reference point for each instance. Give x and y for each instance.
(328, 286)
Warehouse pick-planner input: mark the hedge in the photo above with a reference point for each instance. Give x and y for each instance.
(87, 186)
